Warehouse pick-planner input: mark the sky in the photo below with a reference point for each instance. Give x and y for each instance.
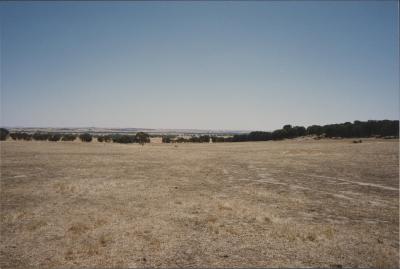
(202, 65)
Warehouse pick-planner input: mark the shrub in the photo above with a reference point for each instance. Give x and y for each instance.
(259, 136)
(55, 137)
(86, 137)
(166, 139)
(124, 139)
(181, 140)
(21, 136)
(315, 130)
(68, 137)
(41, 136)
(13, 136)
(3, 134)
(104, 138)
(239, 138)
(279, 134)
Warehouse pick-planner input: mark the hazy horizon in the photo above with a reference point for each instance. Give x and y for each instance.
(150, 128)
(198, 65)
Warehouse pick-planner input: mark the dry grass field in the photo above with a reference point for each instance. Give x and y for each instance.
(327, 203)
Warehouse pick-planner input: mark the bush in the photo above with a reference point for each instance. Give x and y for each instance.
(85, 137)
(13, 136)
(68, 137)
(259, 136)
(55, 137)
(166, 139)
(124, 139)
(41, 136)
(4, 134)
(240, 138)
(181, 140)
(104, 138)
(21, 136)
(279, 134)
(315, 130)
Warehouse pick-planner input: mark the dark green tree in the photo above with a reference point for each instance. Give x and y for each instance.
(142, 138)
(55, 137)
(4, 134)
(86, 137)
(68, 137)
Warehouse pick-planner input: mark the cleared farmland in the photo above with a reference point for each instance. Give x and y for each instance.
(326, 203)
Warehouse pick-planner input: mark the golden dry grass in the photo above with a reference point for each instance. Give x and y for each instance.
(325, 203)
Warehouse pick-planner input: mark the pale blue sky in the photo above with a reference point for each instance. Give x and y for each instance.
(206, 65)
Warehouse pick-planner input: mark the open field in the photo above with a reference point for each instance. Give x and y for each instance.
(326, 203)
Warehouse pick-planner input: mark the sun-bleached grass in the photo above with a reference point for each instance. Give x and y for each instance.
(325, 203)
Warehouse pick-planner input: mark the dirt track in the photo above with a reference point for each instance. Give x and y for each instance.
(289, 203)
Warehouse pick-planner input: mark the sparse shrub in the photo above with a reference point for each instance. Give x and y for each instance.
(68, 137)
(3, 134)
(100, 138)
(86, 137)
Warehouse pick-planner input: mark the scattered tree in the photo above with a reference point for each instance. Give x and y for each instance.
(86, 137)
(14, 136)
(166, 139)
(55, 137)
(39, 136)
(142, 138)
(4, 134)
(125, 139)
(68, 137)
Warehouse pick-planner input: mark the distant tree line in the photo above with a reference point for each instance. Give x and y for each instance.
(140, 137)
(371, 128)
(357, 129)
